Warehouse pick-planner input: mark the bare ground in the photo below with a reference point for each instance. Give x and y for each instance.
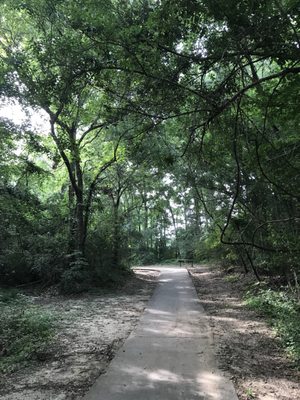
(246, 347)
(91, 329)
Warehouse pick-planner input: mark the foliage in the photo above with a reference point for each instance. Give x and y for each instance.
(76, 278)
(25, 330)
(232, 278)
(172, 133)
(165, 137)
(9, 296)
(250, 393)
(283, 312)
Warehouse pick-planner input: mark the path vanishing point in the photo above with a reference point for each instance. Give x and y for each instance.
(170, 355)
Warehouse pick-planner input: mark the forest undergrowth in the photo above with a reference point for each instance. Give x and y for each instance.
(250, 347)
(55, 346)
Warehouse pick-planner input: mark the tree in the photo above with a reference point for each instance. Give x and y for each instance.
(40, 76)
(174, 93)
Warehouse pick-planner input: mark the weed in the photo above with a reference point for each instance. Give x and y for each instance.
(8, 295)
(24, 331)
(250, 394)
(232, 278)
(283, 312)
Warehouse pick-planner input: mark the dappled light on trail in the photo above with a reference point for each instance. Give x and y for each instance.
(170, 355)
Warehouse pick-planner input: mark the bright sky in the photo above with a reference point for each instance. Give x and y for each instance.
(15, 113)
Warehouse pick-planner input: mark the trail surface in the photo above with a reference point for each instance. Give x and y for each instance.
(170, 355)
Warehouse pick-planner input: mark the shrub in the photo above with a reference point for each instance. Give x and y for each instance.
(75, 279)
(111, 277)
(9, 295)
(283, 312)
(24, 331)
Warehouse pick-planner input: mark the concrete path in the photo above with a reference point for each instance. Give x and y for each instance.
(170, 354)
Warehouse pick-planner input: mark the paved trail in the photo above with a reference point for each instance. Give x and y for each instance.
(170, 354)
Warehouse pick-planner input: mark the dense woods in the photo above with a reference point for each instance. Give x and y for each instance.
(167, 130)
(172, 132)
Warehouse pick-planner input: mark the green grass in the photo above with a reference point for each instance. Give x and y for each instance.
(9, 296)
(283, 312)
(232, 278)
(25, 330)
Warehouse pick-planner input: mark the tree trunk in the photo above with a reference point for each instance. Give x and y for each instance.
(72, 214)
(80, 226)
(116, 235)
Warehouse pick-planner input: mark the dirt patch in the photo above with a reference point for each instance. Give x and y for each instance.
(91, 329)
(246, 347)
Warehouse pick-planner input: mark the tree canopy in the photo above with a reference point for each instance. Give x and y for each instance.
(173, 133)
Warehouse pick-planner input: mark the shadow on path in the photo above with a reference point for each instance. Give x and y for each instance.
(170, 354)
